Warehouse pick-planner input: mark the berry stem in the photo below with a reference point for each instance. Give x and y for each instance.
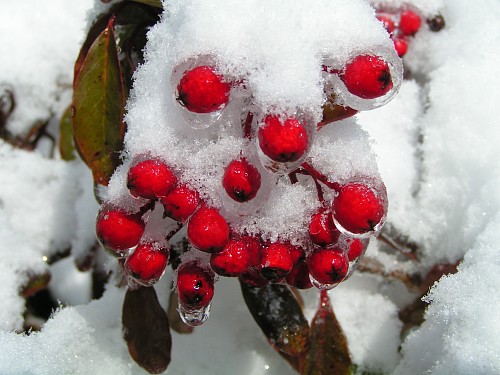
(293, 177)
(174, 231)
(396, 246)
(307, 168)
(319, 191)
(147, 207)
(323, 297)
(330, 70)
(247, 126)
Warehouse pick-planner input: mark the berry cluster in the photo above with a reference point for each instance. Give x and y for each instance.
(275, 148)
(403, 23)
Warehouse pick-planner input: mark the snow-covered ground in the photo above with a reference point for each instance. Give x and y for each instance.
(437, 146)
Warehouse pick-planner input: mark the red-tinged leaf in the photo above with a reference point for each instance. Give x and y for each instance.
(35, 284)
(98, 26)
(146, 330)
(329, 353)
(335, 112)
(98, 106)
(279, 316)
(66, 142)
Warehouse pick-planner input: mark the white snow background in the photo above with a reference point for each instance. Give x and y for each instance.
(437, 145)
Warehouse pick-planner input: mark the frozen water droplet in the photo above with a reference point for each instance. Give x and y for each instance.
(194, 317)
(322, 286)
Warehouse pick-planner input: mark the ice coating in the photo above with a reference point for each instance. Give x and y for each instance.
(274, 57)
(283, 73)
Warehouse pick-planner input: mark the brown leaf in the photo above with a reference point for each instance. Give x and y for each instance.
(98, 106)
(279, 316)
(146, 330)
(329, 352)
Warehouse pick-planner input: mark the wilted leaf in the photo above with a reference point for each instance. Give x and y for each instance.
(66, 145)
(279, 316)
(98, 105)
(329, 353)
(146, 330)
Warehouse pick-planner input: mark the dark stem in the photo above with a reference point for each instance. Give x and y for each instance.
(307, 168)
(247, 126)
(396, 246)
(174, 231)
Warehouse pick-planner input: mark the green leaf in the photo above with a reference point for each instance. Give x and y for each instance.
(66, 143)
(146, 330)
(153, 3)
(329, 352)
(280, 318)
(98, 106)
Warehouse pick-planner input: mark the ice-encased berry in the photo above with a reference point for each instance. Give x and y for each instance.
(202, 90)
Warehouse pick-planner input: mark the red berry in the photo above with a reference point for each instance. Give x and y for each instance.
(147, 263)
(254, 247)
(195, 285)
(284, 141)
(328, 266)
(296, 253)
(322, 230)
(150, 179)
(180, 203)
(118, 230)
(387, 22)
(201, 90)
(208, 230)
(401, 46)
(409, 22)
(276, 261)
(298, 277)
(233, 260)
(253, 277)
(367, 76)
(358, 208)
(356, 248)
(241, 180)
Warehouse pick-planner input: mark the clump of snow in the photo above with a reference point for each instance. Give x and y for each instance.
(39, 218)
(78, 340)
(39, 52)
(342, 151)
(460, 334)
